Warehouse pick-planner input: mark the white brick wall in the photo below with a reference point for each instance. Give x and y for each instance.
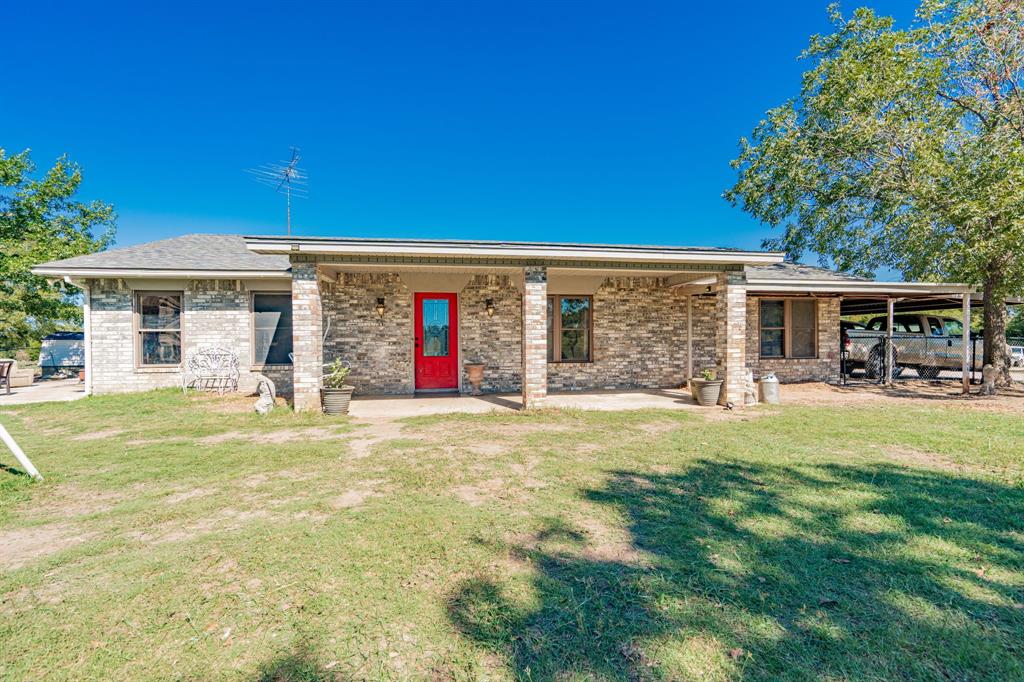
(215, 313)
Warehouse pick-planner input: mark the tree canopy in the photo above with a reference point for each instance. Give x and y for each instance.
(40, 220)
(904, 149)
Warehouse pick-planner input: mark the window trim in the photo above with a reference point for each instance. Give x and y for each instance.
(556, 330)
(787, 329)
(137, 328)
(252, 333)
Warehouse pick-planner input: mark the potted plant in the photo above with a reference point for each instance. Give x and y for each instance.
(707, 389)
(475, 374)
(336, 394)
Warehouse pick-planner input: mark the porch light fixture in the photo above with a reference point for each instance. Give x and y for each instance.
(489, 307)
(380, 310)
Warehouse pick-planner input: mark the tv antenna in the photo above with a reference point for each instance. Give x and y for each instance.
(285, 177)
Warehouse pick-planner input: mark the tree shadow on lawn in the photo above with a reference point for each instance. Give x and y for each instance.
(768, 571)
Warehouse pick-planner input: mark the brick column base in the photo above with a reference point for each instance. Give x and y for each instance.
(307, 336)
(535, 336)
(731, 336)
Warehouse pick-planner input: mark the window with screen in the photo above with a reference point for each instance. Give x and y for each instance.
(158, 328)
(569, 328)
(272, 328)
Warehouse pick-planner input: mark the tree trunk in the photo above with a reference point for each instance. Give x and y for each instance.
(997, 353)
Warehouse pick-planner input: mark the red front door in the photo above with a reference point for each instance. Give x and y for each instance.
(437, 341)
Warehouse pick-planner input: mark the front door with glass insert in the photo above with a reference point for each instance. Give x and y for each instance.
(436, 342)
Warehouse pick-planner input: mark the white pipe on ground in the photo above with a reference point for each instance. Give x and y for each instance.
(19, 454)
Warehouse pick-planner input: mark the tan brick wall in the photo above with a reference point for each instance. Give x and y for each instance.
(495, 341)
(639, 338)
(825, 367)
(215, 313)
(381, 355)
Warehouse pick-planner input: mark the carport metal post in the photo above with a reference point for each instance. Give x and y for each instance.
(890, 303)
(968, 343)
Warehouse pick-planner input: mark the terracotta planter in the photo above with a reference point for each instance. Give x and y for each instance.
(706, 391)
(336, 400)
(475, 375)
(81, 375)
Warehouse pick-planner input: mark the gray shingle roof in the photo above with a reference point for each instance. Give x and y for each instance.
(228, 252)
(799, 272)
(189, 252)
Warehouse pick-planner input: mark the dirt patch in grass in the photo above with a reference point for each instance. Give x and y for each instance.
(921, 393)
(99, 435)
(608, 543)
(186, 495)
(22, 546)
(69, 501)
(362, 441)
(916, 458)
(146, 442)
(231, 403)
(479, 493)
(279, 437)
(224, 521)
(357, 497)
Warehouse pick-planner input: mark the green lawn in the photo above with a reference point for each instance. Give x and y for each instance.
(188, 538)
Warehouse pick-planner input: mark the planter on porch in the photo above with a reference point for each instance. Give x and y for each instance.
(336, 400)
(706, 391)
(336, 394)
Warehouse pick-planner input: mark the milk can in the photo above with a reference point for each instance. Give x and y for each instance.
(769, 385)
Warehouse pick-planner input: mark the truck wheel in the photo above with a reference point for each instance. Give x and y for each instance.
(928, 372)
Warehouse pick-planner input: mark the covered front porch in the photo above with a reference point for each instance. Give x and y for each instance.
(539, 318)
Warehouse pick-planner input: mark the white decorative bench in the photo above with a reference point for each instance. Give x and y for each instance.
(210, 369)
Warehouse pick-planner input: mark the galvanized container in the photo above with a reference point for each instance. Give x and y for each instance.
(769, 389)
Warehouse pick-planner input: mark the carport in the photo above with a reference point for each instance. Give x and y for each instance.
(868, 297)
(913, 298)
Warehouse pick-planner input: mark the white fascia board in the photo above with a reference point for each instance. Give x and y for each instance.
(114, 273)
(626, 254)
(879, 288)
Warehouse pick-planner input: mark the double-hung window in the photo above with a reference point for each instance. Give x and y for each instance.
(788, 328)
(272, 329)
(158, 328)
(569, 328)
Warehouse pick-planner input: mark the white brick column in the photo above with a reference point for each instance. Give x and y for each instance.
(535, 336)
(307, 336)
(731, 336)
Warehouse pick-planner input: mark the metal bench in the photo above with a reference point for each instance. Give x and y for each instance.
(210, 369)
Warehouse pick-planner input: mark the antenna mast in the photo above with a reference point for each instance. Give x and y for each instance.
(286, 177)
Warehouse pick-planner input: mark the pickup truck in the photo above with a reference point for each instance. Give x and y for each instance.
(928, 344)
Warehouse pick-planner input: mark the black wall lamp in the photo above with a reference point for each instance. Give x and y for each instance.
(380, 310)
(489, 307)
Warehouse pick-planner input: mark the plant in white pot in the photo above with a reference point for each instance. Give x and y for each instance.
(707, 389)
(336, 394)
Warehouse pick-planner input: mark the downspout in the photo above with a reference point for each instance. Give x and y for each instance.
(86, 328)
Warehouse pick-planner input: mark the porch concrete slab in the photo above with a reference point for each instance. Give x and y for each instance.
(396, 407)
(55, 390)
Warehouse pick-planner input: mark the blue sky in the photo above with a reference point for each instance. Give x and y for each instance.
(564, 121)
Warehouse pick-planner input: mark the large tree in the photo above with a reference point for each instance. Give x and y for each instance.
(39, 221)
(904, 149)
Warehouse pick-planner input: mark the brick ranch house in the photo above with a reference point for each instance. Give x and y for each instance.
(408, 314)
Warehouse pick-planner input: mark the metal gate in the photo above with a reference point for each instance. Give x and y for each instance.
(867, 358)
